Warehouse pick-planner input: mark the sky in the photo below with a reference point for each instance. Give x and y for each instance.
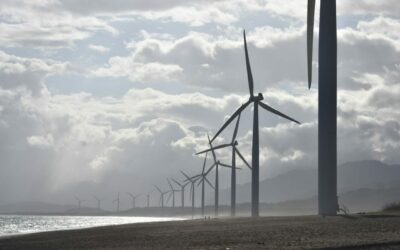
(100, 97)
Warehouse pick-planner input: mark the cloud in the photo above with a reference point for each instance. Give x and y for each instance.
(99, 48)
(44, 25)
(69, 142)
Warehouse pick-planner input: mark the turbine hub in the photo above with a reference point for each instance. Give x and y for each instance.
(235, 143)
(259, 97)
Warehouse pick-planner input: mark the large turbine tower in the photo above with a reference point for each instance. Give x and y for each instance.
(257, 101)
(327, 101)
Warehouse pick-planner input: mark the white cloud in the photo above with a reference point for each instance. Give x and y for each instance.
(99, 48)
(41, 141)
(144, 135)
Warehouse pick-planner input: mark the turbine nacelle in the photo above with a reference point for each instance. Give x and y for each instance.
(258, 97)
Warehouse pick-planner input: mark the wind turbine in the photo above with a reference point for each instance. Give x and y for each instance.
(216, 164)
(133, 199)
(172, 193)
(203, 178)
(192, 181)
(182, 186)
(162, 196)
(98, 202)
(233, 144)
(117, 201)
(257, 101)
(148, 199)
(79, 202)
(327, 101)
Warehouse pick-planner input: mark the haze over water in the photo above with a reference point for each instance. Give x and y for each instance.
(22, 224)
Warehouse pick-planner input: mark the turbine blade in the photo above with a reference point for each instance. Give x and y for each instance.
(236, 113)
(236, 129)
(265, 106)
(169, 197)
(225, 165)
(201, 180)
(179, 184)
(184, 174)
(212, 149)
(243, 159)
(215, 148)
(209, 183)
(169, 183)
(158, 189)
(310, 37)
(249, 75)
(208, 171)
(204, 164)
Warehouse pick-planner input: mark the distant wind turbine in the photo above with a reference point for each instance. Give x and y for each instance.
(117, 200)
(172, 193)
(192, 180)
(202, 178)
(161, 196)
(182, 186)
(133, 199)
(79, 202)
(327, 101)
(98, 202)
(148, 199)
(257, 101)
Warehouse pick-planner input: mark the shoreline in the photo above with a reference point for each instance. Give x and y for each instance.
(95, 224)
(355, 231)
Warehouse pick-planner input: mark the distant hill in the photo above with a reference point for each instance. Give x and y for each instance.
(302, 183)
(361, 200)
(362, 186)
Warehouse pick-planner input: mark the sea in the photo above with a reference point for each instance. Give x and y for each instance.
(24, 224)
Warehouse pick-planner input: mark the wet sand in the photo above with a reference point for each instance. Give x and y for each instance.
(353, 232)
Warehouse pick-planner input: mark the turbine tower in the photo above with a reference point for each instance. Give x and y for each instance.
(327, 101)
(257, 101)
(173, 191)
(98, 202)
(161, 196)
(148, 199)
(235, 151)
(192, 180)
(79, 202)
(133, 197)
(182, 186)
(202, 178)
(215, 165)
(117, 201)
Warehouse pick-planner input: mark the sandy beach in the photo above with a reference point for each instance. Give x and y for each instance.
(353, 232)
